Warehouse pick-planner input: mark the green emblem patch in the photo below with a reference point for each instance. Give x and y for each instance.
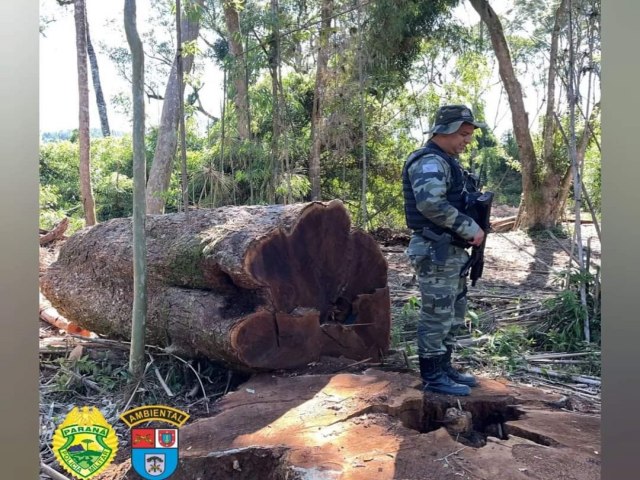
(85, 444)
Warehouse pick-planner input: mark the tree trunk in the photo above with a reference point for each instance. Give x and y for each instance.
(274, 67)
(581, 151)
(318, 97)
(86, 192)
(160, 171)
(364, 217)
(182, 129)
(95, 77)
(139, 309)
(549, 118)
(262, 287)
(536, 191)
(238, 70)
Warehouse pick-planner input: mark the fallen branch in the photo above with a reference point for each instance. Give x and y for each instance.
(473, 342)
(353, 364)
(539, 356)
(163, 384)
(503, 225)
(563, 362)
(563, 387)
(555, 374)
(55, 233)
(204, 392)
(559, 243)
(54, 474)
(85, 381)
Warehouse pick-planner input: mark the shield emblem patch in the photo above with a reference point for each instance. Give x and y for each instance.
(167, 437)
(154, 463)
(154, 452)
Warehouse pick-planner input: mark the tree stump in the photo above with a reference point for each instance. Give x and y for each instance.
(258, 287)
(381, 426)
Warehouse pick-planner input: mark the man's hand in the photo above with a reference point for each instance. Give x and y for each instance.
(476, 241)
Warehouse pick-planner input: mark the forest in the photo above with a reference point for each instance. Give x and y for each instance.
(326, 101)
(323, 101)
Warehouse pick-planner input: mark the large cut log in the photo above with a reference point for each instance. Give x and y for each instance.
(51, 316)
(260, 287)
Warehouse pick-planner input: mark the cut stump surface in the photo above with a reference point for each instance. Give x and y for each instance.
(379, 425)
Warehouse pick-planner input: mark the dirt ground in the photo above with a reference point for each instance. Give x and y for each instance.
(509, 258)
(511, 275)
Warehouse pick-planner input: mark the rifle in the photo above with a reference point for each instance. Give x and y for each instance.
(478, 208)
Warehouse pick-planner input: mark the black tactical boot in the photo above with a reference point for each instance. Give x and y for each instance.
(455, 375)
(436, 380)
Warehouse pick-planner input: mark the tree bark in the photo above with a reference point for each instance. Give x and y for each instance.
(274, 67)
(262, 287)
(238, 69)
(86, 192)
(160, 171)
(549, 119)
(581, 151)
(540, 184)
(95, 77)
(139, 307)
(318, 97)
(181, 123)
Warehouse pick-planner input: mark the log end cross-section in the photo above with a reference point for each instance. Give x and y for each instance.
(257, 287)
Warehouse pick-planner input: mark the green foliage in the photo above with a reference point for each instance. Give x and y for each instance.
(592, 175)
(498, 171)
(415, 57)
(220, 50)
(111, 171)
(542, 233)
(60, 185)
(74, 375)
(508, 346)
(405, 322)
(393, 35)
(563, 328)
(296, 185)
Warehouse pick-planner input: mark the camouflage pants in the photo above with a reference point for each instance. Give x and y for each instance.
(444, 304)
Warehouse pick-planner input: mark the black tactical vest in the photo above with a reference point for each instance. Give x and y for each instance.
(456, 194)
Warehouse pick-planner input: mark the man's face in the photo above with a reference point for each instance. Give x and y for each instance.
(456, 143)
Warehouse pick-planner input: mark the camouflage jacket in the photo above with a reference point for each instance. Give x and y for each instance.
(430, 178)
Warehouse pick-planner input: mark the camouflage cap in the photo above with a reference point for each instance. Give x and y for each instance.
(449, 118)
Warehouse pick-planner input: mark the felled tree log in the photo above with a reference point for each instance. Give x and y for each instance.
(260, 287)
(51, 316)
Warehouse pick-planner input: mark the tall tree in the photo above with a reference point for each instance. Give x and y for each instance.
(239, 67)
(86, 191)
(95, 73)
(274, 67)
(97, 85)
(322, 77)
(139, 313)
(160, 171)
(364, 216)
(181, 123)
(545, 179)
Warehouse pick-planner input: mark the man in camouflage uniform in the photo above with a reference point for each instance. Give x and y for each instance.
(434, 188)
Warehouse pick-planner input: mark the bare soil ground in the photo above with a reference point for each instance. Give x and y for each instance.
(553, 434)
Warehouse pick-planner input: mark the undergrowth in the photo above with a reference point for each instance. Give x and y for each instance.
(505, 347)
